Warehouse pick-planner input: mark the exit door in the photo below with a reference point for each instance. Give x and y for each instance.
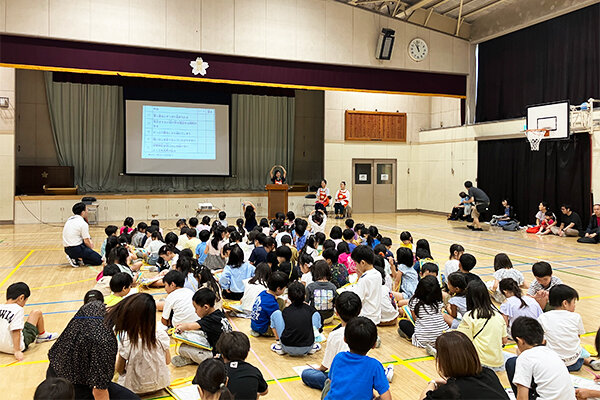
(374, 186)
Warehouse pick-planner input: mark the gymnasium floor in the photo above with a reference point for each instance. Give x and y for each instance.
(33, 254)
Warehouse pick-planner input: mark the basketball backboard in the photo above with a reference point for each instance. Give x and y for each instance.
(551, 116)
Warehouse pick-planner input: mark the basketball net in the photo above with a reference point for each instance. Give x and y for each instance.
(535, 137)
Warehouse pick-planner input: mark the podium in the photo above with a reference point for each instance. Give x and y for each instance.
(278, 199)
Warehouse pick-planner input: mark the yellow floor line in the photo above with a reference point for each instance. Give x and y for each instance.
(410, 367)
(14, 363)
(16, 268)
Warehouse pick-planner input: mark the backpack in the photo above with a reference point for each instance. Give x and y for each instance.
(511, 225)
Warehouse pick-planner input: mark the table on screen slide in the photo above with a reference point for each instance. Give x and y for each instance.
(178, 133)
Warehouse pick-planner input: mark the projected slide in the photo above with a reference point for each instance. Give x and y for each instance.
(178, 133)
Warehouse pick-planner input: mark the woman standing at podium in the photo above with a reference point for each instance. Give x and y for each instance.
(278, 175)
(323, 197)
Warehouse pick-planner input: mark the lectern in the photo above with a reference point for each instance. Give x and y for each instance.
(278, 199)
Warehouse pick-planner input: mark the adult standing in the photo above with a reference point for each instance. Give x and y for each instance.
(76, 238)
(85, 355)
(323, 197)
(570, 224)
(463, 375)
(278, 174)
(592, 233)
(342, 200)
(480, 201)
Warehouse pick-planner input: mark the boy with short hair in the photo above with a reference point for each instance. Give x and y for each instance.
(287, 241)
(347, 307)
(192, 241)
(16, 334)
(466, 263)
(120, 286)
(368, 287)
(139, 235)
(544, 281)
(266, 304)
(259, 254)
(348, 237)
(562, 328)
(245, 380)
(194, 223)
(223, 219)
(200, 250)
(538, 372)
(178, 306)
(353, 374)
(339, 272)
(110, 230)
(209, 327)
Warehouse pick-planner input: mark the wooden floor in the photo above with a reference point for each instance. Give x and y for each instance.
(33, 254)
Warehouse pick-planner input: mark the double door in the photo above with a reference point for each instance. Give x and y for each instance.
(374, 186)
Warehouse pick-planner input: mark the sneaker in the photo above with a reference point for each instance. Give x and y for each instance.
(431, 350)
(470, 227)
(595, 365)
(402, 334)
(477, 229)
(315, 347)
(73, 262)
(276, 347)
(253, 333)
(181, 361)
(46, 337)
(389, 373)
(378, 342)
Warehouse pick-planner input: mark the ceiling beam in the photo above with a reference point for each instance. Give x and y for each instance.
(449, 11)
(478, 10)
(458, 21)
(438, 4)
(428, 16)
(416, 6)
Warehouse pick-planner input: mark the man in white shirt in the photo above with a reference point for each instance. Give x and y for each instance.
(76, 239)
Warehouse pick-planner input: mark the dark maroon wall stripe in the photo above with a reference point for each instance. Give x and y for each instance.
(70, 54)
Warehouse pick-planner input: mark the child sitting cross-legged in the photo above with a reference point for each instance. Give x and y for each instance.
(211, 379)
(457, 304)
(245, 380)
(537, 372)
(16, 333)
(178, 307)
(347, 307)
(562, 328)
(544, 281)
(208, 328)
(266, 304)
(253, 287)
(103, 284)
(234, 274)
(321, 293)
(120, 286)
(294, 326)
(353, 374)
(503, 269)
(516, 305)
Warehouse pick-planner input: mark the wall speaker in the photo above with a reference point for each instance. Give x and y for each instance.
(385, 44)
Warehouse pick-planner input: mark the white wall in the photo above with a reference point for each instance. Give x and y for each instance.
(7, 145)
(305, 30)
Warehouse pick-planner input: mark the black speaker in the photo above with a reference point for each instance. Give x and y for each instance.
(385, 44)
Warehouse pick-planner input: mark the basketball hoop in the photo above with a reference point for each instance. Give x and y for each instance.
(535, 137)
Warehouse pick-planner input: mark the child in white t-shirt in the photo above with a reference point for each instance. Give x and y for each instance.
(517, 305)
(16, 334)
(563, 326)
(452, 265)
(305, 261)
(178, 307)
(368, 287)
(537, 368)
(503, 269)
(253, 287)
(457, 304)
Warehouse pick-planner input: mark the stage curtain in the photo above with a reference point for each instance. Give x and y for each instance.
(555, 60)
(87, 125)
(559, 173)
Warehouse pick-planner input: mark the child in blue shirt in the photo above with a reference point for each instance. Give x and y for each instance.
(266, 304)
(234, 274)
(361, 336)
(201, 252)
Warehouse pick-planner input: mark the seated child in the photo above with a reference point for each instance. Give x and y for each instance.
(389, 308)
(287, 241)
(345, 257)
(547, 223)
(139, 235)
(305, 262)
(208, 328)
(537, 372)
(294, 327)
(321, 293)
(223, 219)
(344, 382)
(127, 227)
(368, 287)
(266, 304)
(211, 379)
(457, 304)
(452, 265)
(516, 305)
(348, 238)
(503, 269)
(153, 245)
(120, 286)
(431, 269)
(407, 240)
(192, 239)
(254, 286)
(406, 279)
(206, 279)
(426, 310)
(165, 255)
(466, 264)
(110, 230)
(200, 250)
(103, 284)
(54, 389)
(259, 254)
(16, 334)
(178, 306)
(544, 281)
(284, 257)
(234, 274)
(347, 307)
(563, 327)
(245, 381)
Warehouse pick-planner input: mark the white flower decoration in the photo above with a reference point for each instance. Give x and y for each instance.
(199, 66)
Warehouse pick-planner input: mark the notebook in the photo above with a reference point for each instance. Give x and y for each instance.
(192, 338)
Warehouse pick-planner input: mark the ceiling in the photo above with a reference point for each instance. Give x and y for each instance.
(475, 20)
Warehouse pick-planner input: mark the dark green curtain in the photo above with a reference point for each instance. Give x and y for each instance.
(88, 130)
